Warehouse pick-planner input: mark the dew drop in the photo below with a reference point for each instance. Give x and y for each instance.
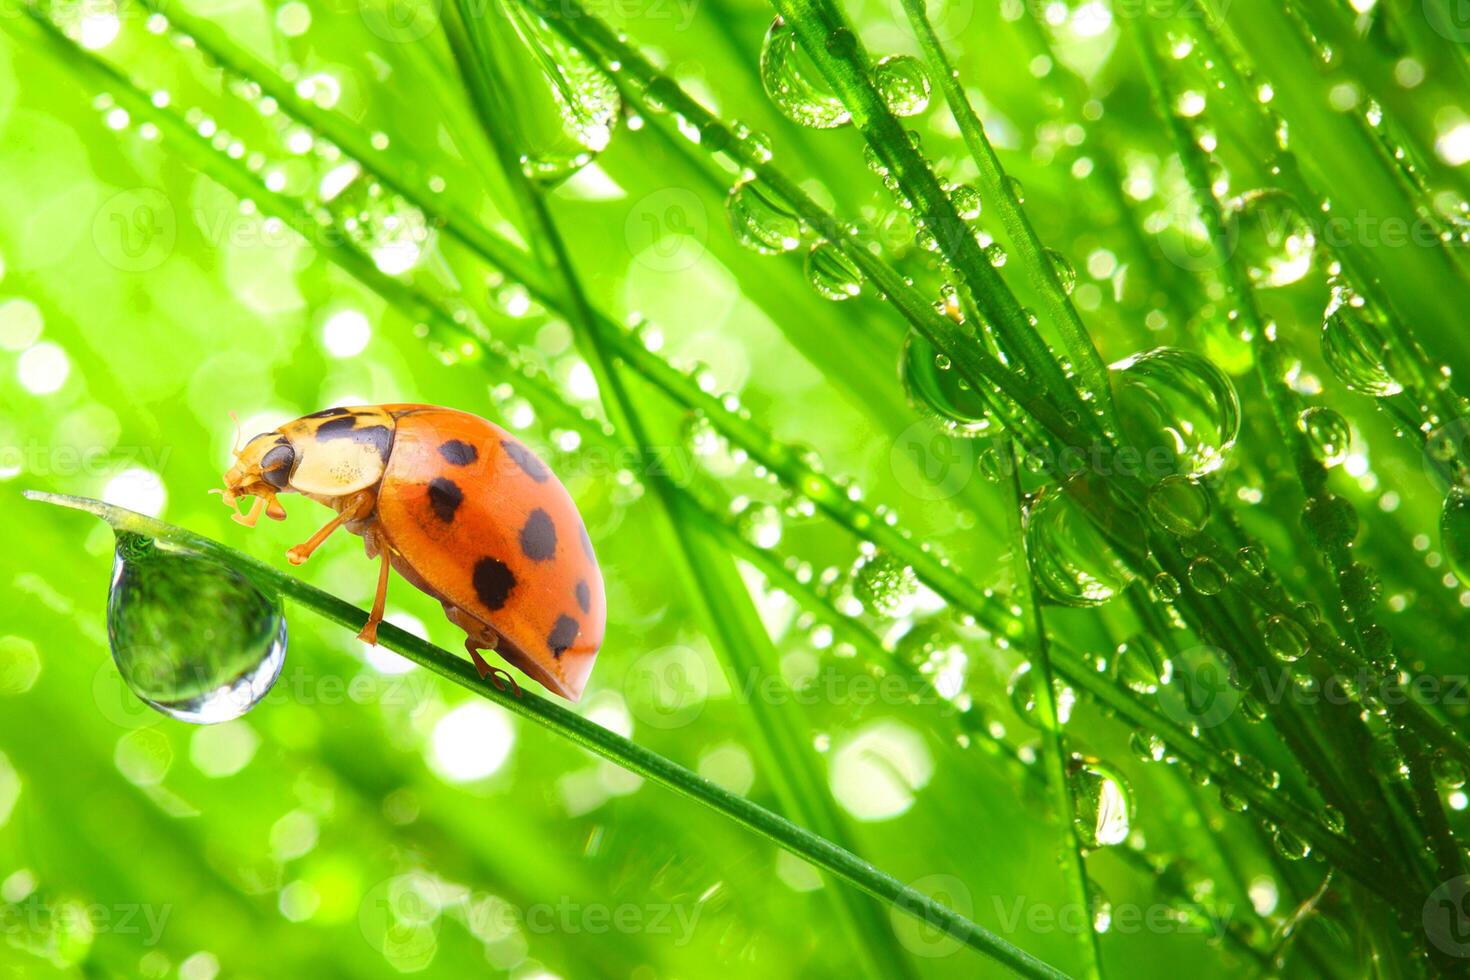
(1066, 274)
(1354, 347)
(1103, 802)
(1273, 237)
(788, 76)
(1206, 576)
(192, 638)
(1179, 504)
(1454, 532)
(1327, 434)
(966, 200)
(759, 221)
(885, 585)
(1286, 639)
(1022, 691)
(1178, 402)
(903, 83)
(832, 274)
(939, 393)
(1071, 558)
(1142, 665)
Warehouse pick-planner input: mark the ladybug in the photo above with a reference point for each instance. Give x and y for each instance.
(461, 509)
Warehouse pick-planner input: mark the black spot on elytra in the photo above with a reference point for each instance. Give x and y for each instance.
(584, 596)
(527, 461)
(493, 581)
(563, 635)
(275, 466)
(380, 437)
(586, 542)
(457, 453)
(445, 496)
(538, 536)
(327, 413)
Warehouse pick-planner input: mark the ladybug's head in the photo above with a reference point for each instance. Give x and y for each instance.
(262, 469)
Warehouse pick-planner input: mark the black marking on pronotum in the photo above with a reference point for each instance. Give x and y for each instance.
(524, 458)
(327, 413)
(586, 542)
(380, 437)
(445, 496)
(538, 536)
(275, 466)
(458, 453)
(584, 596)
(563, 635)
(493, 581)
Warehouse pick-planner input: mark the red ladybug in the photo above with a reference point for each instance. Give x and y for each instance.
(463, 511)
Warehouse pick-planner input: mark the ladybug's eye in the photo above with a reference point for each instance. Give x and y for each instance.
(275, 466)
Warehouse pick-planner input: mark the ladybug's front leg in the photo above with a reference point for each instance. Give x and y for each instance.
(357, 506)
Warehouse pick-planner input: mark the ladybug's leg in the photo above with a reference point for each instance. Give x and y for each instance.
(358, 507)
(369, 632)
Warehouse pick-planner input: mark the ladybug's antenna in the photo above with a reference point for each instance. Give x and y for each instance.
(236, 450)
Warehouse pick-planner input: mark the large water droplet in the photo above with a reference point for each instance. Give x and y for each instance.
(1180, 504)
(563, 107)
(1178, 402)
(1070, 557)
(1454, 532)
(1022, 690)
(1142, 664)
(1354, 347)
(1274, 238)
(903, 83)
(938, 391)
(790, 77)
(832, 273)
(760, 222)
(1286, 639)
(1327, 434)
(1103, 801)
(191, 637)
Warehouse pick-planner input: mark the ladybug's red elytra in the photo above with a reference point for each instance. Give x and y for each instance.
(461, 509)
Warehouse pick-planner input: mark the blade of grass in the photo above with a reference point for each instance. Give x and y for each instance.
(583, 732)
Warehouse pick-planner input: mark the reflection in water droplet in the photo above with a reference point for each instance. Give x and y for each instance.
(1180, 504)
(1286, 639)
(760, 222)
(1071, 558)
(885, 585)
(789, 79)
(1103, 801)
(1178, 401)
(1354, 347)
(1274, 239)
(832, 274)
(1327, 434)
(192, 638)
(903, 83)
(939, 392)
(1454, 532)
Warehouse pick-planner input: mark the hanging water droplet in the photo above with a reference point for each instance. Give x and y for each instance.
(1286, 639)
(1454, 532)
(1070, 557)
(832, 273)
(1103, 802)
(1165, 587)
(903, 83)
(191, 637)
(1142, 665)
(1022, 691)
(1274, 238)
(1179, 504)
(939, 392)
(563, 107)
(789, 78)
(1354, 346)
(1206, 576)
(885, 585)
(1290, 846)
(1066, 274)
(761, 525)
(966, 200)
(1178, 402)
(1017, 189)
(759, 221)
(1327, 434)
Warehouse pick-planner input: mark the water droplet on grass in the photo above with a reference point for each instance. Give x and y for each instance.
(1178, 401)
(1103, 801)
(1354, 347)
(1286, 639)
(1274, 238)
(1327, 434)
(759, 221)
(1179, 504)
(790, 80)
(903, 83)
(1071, 558)
(832, 274)
(885, 585)
(1454, 532)
(940, 393)
(191, 637)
